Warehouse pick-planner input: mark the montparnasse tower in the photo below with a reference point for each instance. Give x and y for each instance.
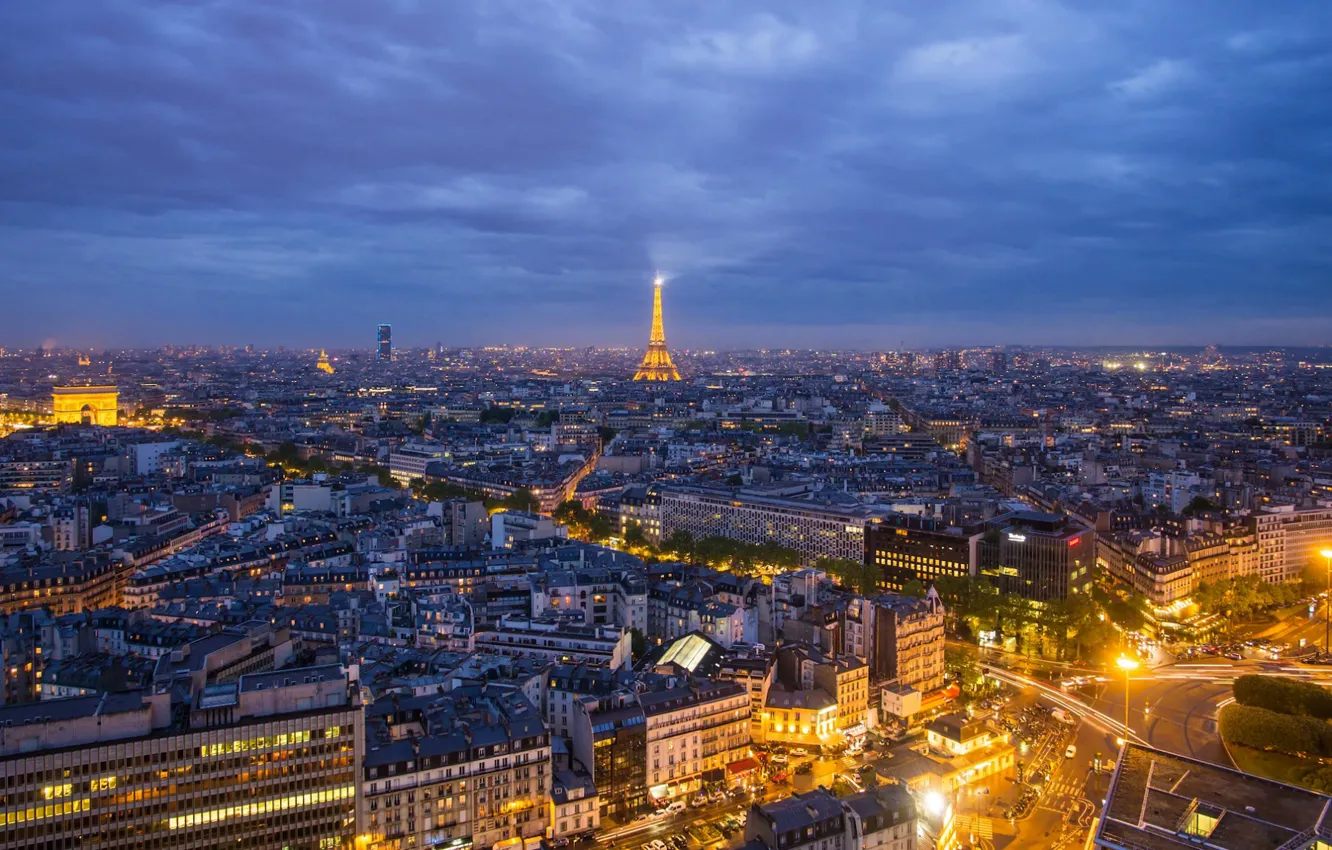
(657, 365)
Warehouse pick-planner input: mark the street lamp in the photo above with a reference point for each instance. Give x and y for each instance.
(1327, 610)
(1128, 665)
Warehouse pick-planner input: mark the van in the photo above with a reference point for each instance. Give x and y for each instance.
(675, 807)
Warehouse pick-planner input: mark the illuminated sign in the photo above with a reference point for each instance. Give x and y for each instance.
(1017, 538)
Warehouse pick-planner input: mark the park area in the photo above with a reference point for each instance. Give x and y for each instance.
(1278, 728)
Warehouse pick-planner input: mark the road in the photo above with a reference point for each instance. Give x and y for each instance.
(1172, 707)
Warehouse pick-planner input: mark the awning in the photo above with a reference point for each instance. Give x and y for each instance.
(712, 774)
(858, 729)
(736, 768)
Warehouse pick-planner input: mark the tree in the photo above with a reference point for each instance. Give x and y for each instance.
(634, 538)
(1287, 696)
(856, 576)
(1270, 730)
(599, 528)
(637, 643)
(520, 500)
(680, 543)
(1200, 505)
(496, 415)
(914, 588)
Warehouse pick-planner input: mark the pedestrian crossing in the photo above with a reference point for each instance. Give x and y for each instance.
(1065, 786)
(981, 827)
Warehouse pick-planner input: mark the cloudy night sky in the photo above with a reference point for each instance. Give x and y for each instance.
(857, 174)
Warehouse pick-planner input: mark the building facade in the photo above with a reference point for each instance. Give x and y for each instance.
(269, 760)
(694, 732)
(814, 529)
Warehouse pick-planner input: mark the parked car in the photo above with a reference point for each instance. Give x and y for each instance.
(1070, 752)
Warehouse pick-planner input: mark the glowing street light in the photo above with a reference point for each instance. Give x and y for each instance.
(934, 803)
(1128, 665)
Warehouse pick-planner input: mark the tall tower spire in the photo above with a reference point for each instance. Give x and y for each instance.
(657, 365)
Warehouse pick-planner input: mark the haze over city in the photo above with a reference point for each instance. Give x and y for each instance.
(807, 175)
(565, 425)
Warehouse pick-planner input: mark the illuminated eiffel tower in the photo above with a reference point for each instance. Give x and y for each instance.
(657, 365)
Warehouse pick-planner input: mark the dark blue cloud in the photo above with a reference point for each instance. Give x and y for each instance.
(806, 173)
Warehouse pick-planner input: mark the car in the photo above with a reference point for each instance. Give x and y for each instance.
(1070, 752)
(700, 800)
(779, 759)
(1234, 656)
(799, 752)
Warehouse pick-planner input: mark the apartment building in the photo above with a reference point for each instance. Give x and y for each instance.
(909, 641)
(556, 639)
(695, 730)
(68, 585)
(604, 597)
(469, 768)
(882, 818)
(847, 679)
(814, 820)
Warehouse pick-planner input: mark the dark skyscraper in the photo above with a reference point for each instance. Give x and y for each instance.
(385, 351)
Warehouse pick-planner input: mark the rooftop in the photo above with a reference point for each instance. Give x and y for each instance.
(1162, 801)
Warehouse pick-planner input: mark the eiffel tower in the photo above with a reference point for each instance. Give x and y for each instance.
(657, 365)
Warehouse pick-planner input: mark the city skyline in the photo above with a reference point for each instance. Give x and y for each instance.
(1034, 172)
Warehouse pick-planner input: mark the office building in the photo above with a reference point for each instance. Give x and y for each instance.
(1289, 541)
(384, 347)
(1041, 557)
(812, 524)
(909, 548)
(268, 759)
